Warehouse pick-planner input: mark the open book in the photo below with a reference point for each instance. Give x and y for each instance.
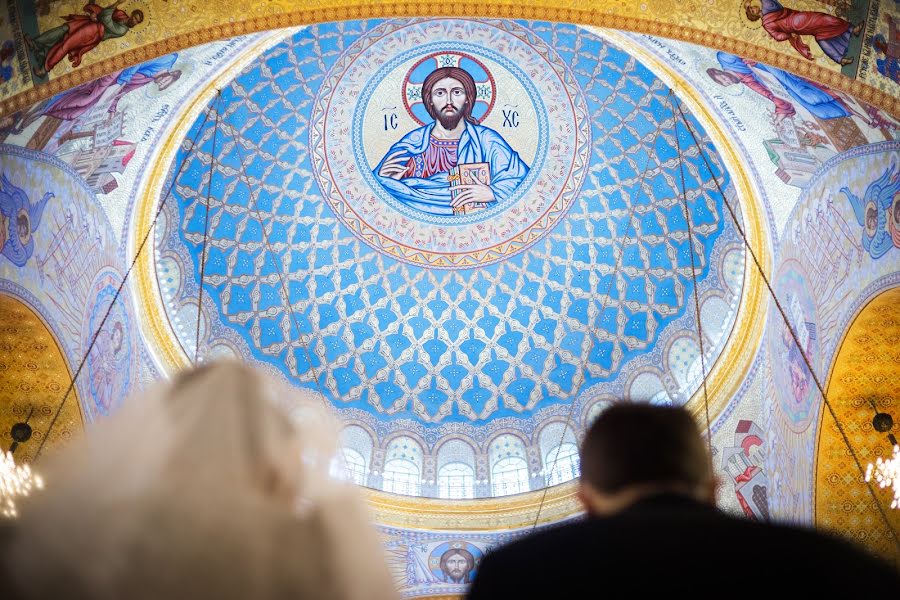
(466, 174)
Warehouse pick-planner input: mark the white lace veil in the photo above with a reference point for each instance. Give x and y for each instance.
(215, 484)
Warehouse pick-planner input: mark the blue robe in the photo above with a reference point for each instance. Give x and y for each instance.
(13, 201)
(151, 68)
(476, 144)
(811, 97)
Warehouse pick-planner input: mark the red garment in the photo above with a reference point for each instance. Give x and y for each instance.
(440, 157)
(782, 107)
(83, 36)
(788, 24)
(744, 477)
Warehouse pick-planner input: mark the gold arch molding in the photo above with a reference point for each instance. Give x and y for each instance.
(719, 24)
(865, 371)
(724, 377)
(34, 377)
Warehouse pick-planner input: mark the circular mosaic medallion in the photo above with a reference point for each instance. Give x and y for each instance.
(450, 162)
(455, 562)
(109, 364)
(794, 384)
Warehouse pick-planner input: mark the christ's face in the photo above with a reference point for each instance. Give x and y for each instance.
(448, 97)
(753, 12)
(457, 567)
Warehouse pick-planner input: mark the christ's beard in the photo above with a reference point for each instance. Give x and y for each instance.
(449, 120)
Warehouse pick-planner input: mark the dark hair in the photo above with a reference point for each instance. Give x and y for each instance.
(632, 444)
(462, 76)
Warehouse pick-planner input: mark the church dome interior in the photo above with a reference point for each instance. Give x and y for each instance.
(467, 231)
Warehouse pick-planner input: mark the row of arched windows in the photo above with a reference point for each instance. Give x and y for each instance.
(508, 466)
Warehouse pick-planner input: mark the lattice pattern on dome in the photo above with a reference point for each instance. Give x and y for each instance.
(399, 340)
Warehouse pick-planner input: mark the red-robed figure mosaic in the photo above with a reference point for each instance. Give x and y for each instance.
(785, 24)
(80, 34)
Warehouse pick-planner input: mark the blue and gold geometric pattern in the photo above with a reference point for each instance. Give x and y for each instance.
(469, 345)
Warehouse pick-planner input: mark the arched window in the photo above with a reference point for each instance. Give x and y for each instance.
(562, 463)
(456, 469)
(509, 476)
(509, 467)
(354, 466)
(456, 480)
(355, 454)
(559, 452)
(403, 467)
(402, 477)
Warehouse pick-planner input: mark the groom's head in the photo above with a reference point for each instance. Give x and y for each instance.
(449, 94)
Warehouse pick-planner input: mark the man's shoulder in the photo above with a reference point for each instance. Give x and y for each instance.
(540, 546)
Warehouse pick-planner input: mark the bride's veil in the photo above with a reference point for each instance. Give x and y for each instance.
(217, 480)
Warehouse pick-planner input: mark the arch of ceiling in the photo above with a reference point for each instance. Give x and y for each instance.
(864, 380)
(837, 251)
(34, 375)
(35, 67)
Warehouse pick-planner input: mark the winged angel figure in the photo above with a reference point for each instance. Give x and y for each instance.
(19, 219)
(873, 208)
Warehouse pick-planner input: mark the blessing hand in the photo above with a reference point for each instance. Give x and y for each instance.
(472, 193)
(395, 165)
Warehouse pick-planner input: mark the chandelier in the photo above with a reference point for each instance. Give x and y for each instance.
(15, 481)
(887, 474)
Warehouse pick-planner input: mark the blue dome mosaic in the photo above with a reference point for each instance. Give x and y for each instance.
(407, 313)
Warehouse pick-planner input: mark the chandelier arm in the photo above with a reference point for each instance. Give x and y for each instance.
(790, 329)
(587, 354)
(212, 164)
(137, 256)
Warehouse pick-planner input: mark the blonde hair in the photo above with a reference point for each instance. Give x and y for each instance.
(214, 484)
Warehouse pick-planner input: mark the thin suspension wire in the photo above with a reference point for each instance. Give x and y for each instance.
(790, 329)
(284, 287)
(614, 277)
(137, 255)
(285, 290)
(690, 228)
(212, 164)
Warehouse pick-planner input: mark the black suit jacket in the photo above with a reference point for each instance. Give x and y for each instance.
(674, 547)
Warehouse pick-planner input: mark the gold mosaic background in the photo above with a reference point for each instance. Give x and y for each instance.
(170, 26)
(33, 374)
(867, 367)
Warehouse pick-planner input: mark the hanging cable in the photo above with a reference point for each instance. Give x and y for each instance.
(278, 269)
(137, 255)
(329, 408)
(577, 389)
(787, 324)
(690, 228)
(212, 164)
